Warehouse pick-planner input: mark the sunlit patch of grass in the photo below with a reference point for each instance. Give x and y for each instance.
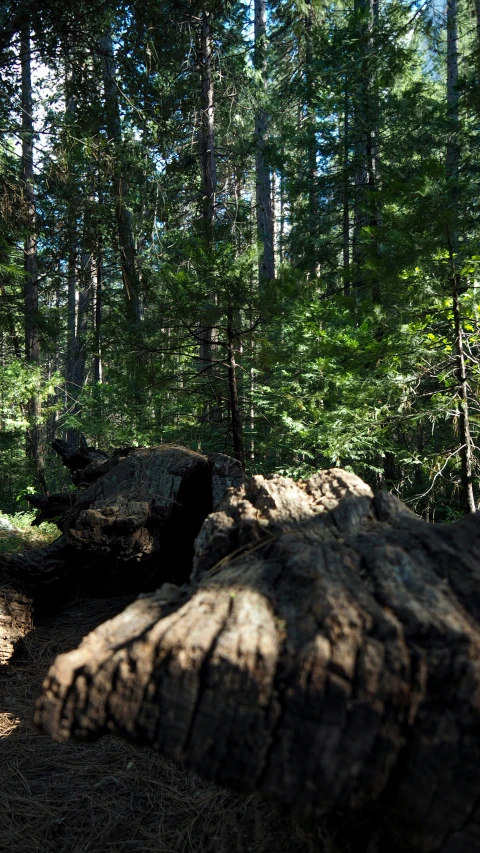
(23, 536)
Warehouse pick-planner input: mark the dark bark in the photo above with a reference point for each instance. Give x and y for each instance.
(208, 167)
(78, 457)
(208, 173)
(365, 134)
(129, 528)
(346, 194)
(34, 437)
(235, 413)
(265, 230)
(325, 655)
(51, 506)
(97, 303)
(310, 118)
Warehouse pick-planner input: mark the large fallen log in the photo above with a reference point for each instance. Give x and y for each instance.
(130, 528)
(326, 654)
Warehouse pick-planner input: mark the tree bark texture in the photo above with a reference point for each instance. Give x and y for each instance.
(16, 620)
(129, 527)
(32, 336)
(326, 654)
(265, 230)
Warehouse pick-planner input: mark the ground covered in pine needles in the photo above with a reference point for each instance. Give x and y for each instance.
(108, 797)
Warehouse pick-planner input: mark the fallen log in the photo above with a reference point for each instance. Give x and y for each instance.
(51, 507)
(16, 620)
(326, 654)
(130, 530)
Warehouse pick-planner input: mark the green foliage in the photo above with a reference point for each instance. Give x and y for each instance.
(23, 536)
(349, 356)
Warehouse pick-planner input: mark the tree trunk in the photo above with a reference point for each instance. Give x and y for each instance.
(326, 655)
(366, 143)
(126, 239)
(235, 414)
(346, 195)
(452, 163)
(32, 335)
(263, 183)
(78, 284)
(97, 314)
(208, 167)
(310, 119)
(208, 172)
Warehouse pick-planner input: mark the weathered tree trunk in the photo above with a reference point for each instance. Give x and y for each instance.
(326, 654)
(129, 527)
(16, 620)
(266, 269)
(32, 335)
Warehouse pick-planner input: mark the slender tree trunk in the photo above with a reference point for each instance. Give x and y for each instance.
(366, 141)
(72, 275)
(207, 125)
(208, 169)
(467, 446)
(346, 196)
(126, 239)
(312, 221)
(265, 229)
(97, 317)
(452, 163)
(477, 44)
(32, 336)
(236, 419)
(281, 239)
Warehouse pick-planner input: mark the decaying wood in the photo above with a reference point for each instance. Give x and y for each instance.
(51, 506)
(16, 620)
(130, 529)
(327, 654)
(78, 458)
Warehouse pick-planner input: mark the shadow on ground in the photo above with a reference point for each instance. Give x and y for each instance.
(108, 797)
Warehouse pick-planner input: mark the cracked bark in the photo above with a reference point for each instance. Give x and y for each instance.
(326, 654)
(129, 528)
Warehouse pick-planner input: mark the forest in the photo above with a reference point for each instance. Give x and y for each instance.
(239, 376)
(243, 227)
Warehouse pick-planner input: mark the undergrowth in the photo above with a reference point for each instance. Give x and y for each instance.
(22, 536)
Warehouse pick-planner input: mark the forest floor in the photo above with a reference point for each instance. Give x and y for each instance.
(109, 797)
